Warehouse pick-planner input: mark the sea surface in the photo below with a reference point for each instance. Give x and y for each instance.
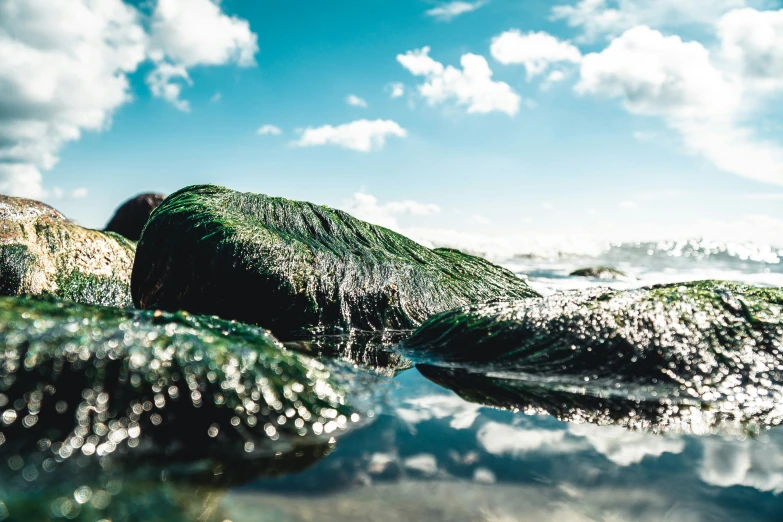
(426, 454)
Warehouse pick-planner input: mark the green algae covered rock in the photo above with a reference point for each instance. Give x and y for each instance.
(291, 266)
(89, 382)
(43, 253)
(709, 341)
(599, 272)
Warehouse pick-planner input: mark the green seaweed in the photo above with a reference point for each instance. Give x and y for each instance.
(43, 253)
(712, 342)
(293, 266)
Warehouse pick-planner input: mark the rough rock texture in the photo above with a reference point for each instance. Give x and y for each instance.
(709, 341)
(173, 383)
(291, 266)
(130, 218)
(600, 272)
(43, 253)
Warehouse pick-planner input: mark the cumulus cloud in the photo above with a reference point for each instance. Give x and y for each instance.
(366, 207)
(753, 464)
(355, 101)
(359, 135)
(535, 50)
(612, 17)
(188, 33)
(448, 11)
(396, 90)
(65, 66)
(665, 76)
(623, 446)
(752, 43)
(268, 129)
(63, 72)
(471, 87)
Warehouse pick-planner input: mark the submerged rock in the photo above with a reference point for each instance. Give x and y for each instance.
(130, 218)
(712, 342)
(94, 381)
(292, 266)
(599, 272)
(43, 253)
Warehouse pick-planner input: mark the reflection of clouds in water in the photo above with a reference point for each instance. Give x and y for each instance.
(753, 464)
(463, 414)
(625, 447)
(425, 463)
(503, 439)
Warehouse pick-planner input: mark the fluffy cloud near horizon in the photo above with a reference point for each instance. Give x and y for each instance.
(66, 65)
(359, 135)
(367, 207)
(269, 130)
(471, 87)
(448, 11)
(355, 101)
(658, 75)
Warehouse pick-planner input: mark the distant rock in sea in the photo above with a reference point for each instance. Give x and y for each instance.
(130, 218)
(43, 253)
(715, 342)
(292, 266)
(600, 272)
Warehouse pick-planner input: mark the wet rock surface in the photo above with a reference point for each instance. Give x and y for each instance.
(43, 253)
(600, 272)
(711, 343)
(293, 266)
(130, 218)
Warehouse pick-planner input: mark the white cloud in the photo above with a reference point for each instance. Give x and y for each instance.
(355, 101)
(366, 207)
(623, 446)
(79, 193)
(535, 50)
(161, 83)
(665, 76)
(751, 463)
(359, 135)
(503, 439)
(752, 43)
(197, 32)
(189, 33)
(424, 463)
(612, 17)
(216, 97)
(267, 130)
(65, 65)
(448, 11)
(481, 220)
(471, 87)
(396, 90)
(63, 72)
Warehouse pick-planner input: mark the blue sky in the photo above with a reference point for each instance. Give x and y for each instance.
(659, 132)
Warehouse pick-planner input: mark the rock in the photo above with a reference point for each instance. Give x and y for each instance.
(600, 272)
(43, 253)
(98, 381)
(292, 266)
(130, 218)
(708, 342)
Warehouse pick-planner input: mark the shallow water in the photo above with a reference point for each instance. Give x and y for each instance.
(424, 453)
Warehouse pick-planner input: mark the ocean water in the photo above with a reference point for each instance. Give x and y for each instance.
(426, 454)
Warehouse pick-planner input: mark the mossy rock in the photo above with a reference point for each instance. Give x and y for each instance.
(713, 342)
(292, 266)
(97, 381)
(600, 272)
(130, 218)
(43, 253)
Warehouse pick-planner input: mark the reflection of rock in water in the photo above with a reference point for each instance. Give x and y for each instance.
(367, 349)
(720, 344)
(89, 392)
(636, 407)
